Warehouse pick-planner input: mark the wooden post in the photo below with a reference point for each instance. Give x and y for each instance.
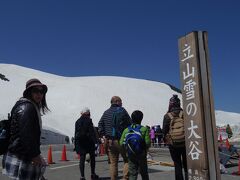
(199, 113)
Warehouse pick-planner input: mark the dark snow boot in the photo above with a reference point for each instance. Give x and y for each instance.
(94, 177)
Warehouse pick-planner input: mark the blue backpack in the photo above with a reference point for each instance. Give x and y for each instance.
(120, 120)
(134, 142)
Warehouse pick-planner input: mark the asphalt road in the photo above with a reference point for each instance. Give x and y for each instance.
(69, 170)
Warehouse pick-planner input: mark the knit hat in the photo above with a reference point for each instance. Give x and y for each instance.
(85, 110)
(174, 102)
(33, 83)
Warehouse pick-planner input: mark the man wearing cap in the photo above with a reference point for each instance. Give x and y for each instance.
(23, 159)
(113, 147)
(85, 140)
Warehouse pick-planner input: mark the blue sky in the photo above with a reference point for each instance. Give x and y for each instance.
(131, 38)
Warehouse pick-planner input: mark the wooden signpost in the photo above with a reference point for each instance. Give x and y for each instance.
(199, 113)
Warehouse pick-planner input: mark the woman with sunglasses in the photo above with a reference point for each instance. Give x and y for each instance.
(23, 160)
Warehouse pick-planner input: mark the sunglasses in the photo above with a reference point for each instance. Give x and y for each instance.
(36, 90)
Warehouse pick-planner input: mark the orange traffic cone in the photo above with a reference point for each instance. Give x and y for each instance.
(102, 152)
(49, 160)
(64, 154)
(227, 144)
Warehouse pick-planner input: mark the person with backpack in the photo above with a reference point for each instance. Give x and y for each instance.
(136, 140)
(111, 125)
(23, 158)
(85, 140)
(173, 131)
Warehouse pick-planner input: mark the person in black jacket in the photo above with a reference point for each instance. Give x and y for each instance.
(178, 153)
(85, 140)
(23, 159)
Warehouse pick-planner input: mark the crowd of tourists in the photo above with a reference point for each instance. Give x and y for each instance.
(122, 134)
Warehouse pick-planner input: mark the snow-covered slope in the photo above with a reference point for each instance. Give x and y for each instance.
(68, 95)
(230, 118)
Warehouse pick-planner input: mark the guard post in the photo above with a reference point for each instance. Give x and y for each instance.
(198, 106)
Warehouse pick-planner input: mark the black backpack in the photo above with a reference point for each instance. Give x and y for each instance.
(83, 131)
(4, 135)
(5, 132)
